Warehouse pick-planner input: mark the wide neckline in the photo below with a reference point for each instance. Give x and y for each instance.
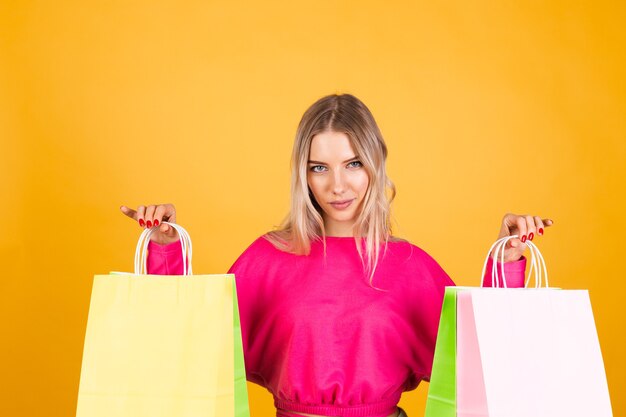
(343, 240)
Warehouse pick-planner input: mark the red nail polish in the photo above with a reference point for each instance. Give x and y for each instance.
(142, 223)
(531, 236)
(540, 231)
(523, 238)
(156, 223)
(149, 224)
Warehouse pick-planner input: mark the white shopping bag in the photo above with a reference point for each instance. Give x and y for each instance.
(528, 352)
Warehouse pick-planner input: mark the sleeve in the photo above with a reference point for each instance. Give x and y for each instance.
(514, 273)
(255, 255)
(165, 259)
(425, 314)
(248, 270)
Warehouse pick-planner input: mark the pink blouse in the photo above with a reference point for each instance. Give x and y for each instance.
(323, 340)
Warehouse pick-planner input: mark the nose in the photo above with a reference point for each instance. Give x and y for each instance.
(338, 185)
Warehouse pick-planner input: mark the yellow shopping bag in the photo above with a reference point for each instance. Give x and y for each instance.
(163, 345)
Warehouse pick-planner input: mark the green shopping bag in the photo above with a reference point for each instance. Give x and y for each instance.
(441, 401)
(442, 391)
(241, 389)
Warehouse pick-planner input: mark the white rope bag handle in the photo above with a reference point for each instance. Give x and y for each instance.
(537, 264)
(141, 252)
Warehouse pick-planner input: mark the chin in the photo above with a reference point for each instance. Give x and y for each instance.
(344, 217)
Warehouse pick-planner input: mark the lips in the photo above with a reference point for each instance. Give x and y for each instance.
(341, 205)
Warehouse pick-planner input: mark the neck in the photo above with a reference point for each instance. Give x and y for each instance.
(338, 229)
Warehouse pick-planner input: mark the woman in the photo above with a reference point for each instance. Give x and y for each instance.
(338, 316)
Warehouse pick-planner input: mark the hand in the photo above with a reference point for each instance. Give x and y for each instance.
(526, 227)
(154, 216)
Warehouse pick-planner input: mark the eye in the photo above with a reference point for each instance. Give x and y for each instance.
(318, 168)
(355, 164)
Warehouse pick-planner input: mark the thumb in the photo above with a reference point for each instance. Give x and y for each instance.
(167, 230)
(518, 245)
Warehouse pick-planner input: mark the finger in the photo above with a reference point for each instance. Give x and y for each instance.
(129, 212)
(514, 243)
(508, 224)
(149, 215)
(521, 227)
(170, 213)
(164, 213)
(539, 225)
(158, 214)
(516, 251)
(141, 210)
(168, 230)
(530, 227)
(548, 222)
(513, 250)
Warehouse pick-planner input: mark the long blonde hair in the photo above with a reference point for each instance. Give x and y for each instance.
(343, 114)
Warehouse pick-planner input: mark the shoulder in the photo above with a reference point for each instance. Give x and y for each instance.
(415, 259)
(409, 251)
(259, 252)
(260, 244)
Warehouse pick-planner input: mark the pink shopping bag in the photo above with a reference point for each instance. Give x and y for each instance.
(528, 352)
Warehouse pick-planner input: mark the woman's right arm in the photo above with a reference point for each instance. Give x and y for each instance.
(164, 251)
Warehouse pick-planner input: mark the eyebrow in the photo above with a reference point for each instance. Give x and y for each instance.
(323, 163)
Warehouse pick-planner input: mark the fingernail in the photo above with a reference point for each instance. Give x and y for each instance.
(523, 238)
(142, 223)
(531, 236)
(541, 231)
(149, 224)
(156, 222)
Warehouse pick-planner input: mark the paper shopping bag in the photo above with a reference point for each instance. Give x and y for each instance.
(529, 352)
(441, 401)
(163, 346)
(241, 389)
(471, 400)
(517, 352)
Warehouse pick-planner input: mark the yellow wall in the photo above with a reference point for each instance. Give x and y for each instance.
(486, 108)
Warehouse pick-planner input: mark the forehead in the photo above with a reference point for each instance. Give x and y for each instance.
(331, 146)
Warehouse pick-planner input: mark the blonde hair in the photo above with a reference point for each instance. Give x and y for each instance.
(343, 114)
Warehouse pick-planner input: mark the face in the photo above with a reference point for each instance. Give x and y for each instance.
(337, 180)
